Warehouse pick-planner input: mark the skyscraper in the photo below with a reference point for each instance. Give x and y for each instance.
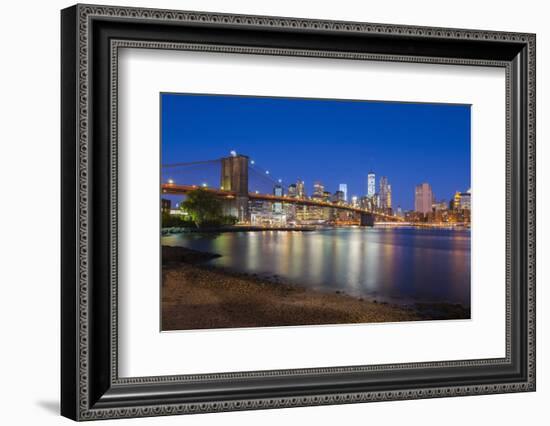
(292, 192)
(371, 184)
(423, 198)
(462, 200)
(456, 201)
(344, 188)
(338, 197)
(466, 200)
(385, 193)
(318, 189)
(300, 190)
(399, 211)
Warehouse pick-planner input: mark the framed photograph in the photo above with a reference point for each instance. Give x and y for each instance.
(263, 212)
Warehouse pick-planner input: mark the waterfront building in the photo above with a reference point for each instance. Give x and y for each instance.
(399, 211)
(343, 187)
(290, 212)
(354, 201)
(261, 212)
(178, 212)
(423, 198)
(301, 214)
(440, 205)
(413, 216)
(371, 184)
(466, 200)
(456, 201)
(462, 201)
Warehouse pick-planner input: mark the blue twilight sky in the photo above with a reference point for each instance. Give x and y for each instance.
(332, 141)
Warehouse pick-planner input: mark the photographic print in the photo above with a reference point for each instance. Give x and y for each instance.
(283, 211)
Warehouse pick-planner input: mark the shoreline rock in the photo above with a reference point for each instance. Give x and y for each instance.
(176, 254)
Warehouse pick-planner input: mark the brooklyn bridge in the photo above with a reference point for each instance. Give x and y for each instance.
(238, 175)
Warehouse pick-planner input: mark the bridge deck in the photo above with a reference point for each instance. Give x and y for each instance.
(171, 188)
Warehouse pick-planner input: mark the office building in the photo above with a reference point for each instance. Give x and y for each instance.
(339, 197)
(385, 193)
(292, 191)
(300, 189)
(318, 190)
(371, 185)
(423, 198)
(343, 187)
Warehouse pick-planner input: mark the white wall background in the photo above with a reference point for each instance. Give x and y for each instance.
(29, 222)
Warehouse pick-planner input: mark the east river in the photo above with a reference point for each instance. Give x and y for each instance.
(388, 264)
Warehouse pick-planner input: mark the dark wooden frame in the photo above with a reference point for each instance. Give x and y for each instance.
(90, 386)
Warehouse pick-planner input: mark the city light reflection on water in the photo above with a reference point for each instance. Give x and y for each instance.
(393, 264)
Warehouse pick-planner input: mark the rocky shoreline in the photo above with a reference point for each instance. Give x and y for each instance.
(198, 296)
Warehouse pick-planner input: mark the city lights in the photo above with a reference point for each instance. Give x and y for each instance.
(321, 205)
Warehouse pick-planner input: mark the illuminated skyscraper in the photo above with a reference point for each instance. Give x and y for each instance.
(385, 193)
(423, 198)
(338, 197)
(318, 189)
(456, 201)
(300, 189)
(292, 192)
(344, 188)
(371, 185)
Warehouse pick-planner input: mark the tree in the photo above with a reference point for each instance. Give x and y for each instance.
(203, 207)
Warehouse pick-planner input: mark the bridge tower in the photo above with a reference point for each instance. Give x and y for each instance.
(234, 177)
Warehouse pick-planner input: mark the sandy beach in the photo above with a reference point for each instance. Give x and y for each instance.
(197, 296)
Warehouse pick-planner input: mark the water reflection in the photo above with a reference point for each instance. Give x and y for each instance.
(403, 264)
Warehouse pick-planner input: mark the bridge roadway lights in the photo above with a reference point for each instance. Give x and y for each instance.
(367, 219)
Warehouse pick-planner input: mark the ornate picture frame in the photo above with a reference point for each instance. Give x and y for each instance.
(91, 37)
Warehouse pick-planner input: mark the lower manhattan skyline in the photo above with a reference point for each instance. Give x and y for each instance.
(323, 209)
(329, 141)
